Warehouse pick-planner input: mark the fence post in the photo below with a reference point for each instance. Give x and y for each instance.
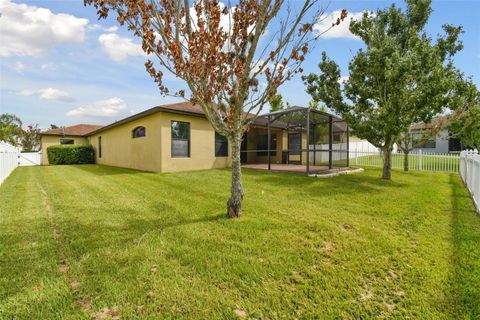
(420, 166)
(470, 173)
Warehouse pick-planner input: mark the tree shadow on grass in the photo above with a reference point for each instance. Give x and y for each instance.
(316, 187)
(130, 227)
(103, 170)
(466, 254)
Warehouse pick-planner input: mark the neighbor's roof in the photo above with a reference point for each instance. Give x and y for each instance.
(439, 121)
(76, 130)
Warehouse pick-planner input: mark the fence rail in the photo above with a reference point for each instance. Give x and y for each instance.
(470, 173)
(422, 161)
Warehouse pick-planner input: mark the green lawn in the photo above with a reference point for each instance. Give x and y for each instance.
(83, 242)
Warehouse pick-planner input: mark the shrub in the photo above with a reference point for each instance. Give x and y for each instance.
(71, 154)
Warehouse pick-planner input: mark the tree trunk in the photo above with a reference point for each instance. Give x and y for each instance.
(405, 160)
(234, 204)
(387, 162)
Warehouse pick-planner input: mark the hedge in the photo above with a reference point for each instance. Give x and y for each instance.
(71, 154)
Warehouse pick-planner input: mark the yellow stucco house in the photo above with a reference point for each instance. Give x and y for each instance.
(77, 134)
(178, 137)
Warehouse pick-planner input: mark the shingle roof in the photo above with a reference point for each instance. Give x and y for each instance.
(439, 121)
(180, 107)
(76, 130)
(184, 107)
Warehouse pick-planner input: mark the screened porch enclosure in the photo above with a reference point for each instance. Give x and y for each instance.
(296, 139)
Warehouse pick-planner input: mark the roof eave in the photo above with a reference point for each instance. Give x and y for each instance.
(143, 115)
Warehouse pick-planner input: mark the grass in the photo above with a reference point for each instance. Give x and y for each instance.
(82, 242)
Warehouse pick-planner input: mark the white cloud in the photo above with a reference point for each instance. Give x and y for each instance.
(343, 79)
(30, 31)
(97, 26)
(101, 109)
(93, 27)
(119, 48)
(340, 31)
(54, 94)
(111, 29)
(19, 67)
(26, 93)
(48, 66)
(48, 94)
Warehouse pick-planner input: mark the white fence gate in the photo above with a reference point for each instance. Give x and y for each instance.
(11, 157)
(29, 158)
(470, 173)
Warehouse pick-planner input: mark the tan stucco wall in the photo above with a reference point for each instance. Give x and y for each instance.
(53, 140)
(202, 145)
(153, 152)
(121, 150)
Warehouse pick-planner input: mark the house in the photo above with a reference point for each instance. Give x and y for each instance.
(442, 142)
(77, 134)
(178, 137)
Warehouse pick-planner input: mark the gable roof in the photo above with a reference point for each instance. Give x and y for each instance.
(189, 108)
(180, 107)
(76, 130)
(183, 107)
(438, 121)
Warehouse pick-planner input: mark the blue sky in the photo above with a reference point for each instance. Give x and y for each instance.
(60, 65)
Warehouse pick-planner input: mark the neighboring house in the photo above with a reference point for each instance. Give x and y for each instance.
(178, 137)
(77, 134)
(442, 142)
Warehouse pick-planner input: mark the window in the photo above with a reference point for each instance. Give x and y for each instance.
(139, 132)
(294, 143)
(221, 145)
(67, 141)
(337, 138)
(262, 145)
(180, 139)
(430, 144)
(454, 145)
(417, 136)
(100, 146)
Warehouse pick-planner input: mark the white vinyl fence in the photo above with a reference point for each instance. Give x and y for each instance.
(470, 173)
(11, 157)
(422, 161)
(8, 160)
(321, 154)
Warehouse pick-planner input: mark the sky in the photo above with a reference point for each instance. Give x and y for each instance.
(60, 65)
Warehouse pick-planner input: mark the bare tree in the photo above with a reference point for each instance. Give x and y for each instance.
(219, 51)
